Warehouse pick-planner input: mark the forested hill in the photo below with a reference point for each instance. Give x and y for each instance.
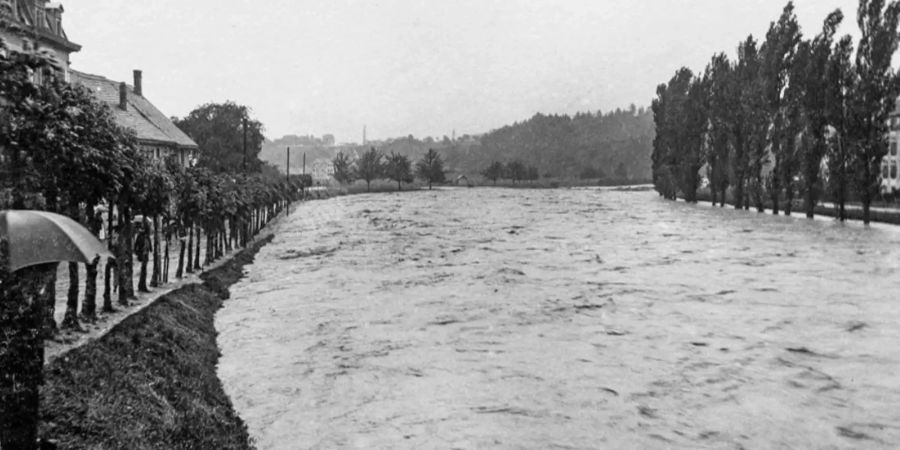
(564, 146)
(592, 145)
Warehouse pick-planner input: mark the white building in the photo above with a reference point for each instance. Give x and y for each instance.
(322, 171)
(890, 165)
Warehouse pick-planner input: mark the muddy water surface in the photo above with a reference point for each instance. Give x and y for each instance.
(483, 318)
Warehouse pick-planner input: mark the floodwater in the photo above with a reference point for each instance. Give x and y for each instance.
(583, 318)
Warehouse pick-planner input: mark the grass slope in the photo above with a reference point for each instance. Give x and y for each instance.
(150, 383)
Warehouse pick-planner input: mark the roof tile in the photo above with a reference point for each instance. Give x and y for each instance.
(149, 123)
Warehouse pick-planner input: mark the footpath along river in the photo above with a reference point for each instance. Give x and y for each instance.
(583, 318)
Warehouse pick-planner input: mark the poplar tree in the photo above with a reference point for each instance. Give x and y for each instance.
(841, 81)
(745, 119)
(815, 110)
(875, 95)
(719, 76)
(777, 57)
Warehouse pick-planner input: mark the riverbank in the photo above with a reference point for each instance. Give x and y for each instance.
(150, 382)
(881, 214)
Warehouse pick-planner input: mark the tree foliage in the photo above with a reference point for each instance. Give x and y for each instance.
(369, 167)
(343, 168)
(398, 168)
(789, 115)
(431, 168)
(494, 171)
(218, 130)
(877, 88)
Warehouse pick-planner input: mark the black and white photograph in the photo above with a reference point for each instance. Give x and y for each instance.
(468, 224)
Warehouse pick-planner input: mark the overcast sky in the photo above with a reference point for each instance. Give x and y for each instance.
(422, 67)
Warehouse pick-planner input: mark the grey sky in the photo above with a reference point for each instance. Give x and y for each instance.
(422, 67)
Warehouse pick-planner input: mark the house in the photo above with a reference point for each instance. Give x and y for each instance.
(27, 25)
(890, 165)
(322, 171)
(155, 132)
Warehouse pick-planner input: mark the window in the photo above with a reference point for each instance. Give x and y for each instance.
(893, 148)
(884, 171)
(893, 171)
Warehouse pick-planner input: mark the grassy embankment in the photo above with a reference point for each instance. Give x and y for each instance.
(151, 382)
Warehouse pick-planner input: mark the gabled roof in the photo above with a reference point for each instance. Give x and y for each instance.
(149, 123)
(37, 19)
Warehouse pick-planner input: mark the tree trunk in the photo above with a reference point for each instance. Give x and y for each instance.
(123, 259)
(810, 202)
(21, 354)
(129, 254)
(788, 198)
(111, 271)
(142, 277)
(842, 210)
(49, 300)
(108, 271)
(89, 304)
(866, 192)
(189, 268)
(165, 274)
(70, 320)
(866, 204)
(775, 192)
(210, 241)
(197, 265)
(179, 271)
(739, 194)
(157, 260)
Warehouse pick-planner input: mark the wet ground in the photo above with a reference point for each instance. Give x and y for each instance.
(492, 318)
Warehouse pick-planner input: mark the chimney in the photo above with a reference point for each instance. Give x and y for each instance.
(138, 83)
(123, 96)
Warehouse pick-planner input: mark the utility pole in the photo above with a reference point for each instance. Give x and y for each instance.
(289, 177)
(304, 163)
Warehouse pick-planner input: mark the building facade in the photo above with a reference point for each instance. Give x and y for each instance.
(890, 165)
(28, 25)
(156, 134)
(322, 171)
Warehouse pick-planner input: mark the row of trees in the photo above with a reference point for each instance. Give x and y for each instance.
(790, 115)
(62, 151)
(373, 165)
(516, 171)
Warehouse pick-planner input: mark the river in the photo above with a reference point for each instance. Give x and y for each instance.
(567, 318)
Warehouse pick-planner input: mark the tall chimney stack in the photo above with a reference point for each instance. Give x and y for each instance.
(138, 83)
(123, 96)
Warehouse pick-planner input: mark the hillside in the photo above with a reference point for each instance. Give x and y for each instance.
(558, 145)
